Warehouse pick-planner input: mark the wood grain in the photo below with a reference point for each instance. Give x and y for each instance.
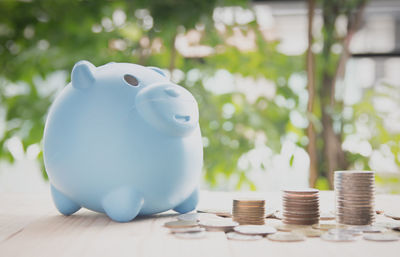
(30, 226)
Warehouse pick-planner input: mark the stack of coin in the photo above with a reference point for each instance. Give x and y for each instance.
(355, 192)
(247, 211)
(301, 207)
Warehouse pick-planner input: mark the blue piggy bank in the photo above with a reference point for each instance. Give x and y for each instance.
(122, 139)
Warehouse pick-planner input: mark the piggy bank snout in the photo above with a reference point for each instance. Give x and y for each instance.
(169, 108)
(172, 91)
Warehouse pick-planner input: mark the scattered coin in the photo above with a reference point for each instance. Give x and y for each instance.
(181, 224)
(389, 225)
(381, 237)
(302, 190)
(224, 214)
(337, 237)
(242, 237)
(394, 216)
(218, 224)
(345, 231)
(286, 237)
(191, 235)
(368, 229)
(326, 227)
(309, 232)
(219, 212)
(396, 229)
(273, 214)
(379, 212)
(255, 229)
(291, 227)
(192, 216)
(187, 230)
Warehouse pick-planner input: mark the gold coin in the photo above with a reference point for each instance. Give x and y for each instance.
(395, 216)
(290, 227)
(309, 232)
(327, 227)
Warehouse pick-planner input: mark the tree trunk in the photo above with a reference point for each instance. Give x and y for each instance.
(334, 155)
(311, 134)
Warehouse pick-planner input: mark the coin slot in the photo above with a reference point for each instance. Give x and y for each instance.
(131, 80)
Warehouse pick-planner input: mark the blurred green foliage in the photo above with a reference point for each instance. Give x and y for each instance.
(41, 37)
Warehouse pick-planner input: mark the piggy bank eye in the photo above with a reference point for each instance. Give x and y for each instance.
(131, 80)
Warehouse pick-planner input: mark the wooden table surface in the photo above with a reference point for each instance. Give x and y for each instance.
(31, 226)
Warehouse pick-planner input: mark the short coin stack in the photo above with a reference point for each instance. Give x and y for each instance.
(301, 207)
(247, 211)
(355, 192)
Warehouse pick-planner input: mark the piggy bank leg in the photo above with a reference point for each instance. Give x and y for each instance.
(189, 204)
(64, 204)
(122, 204)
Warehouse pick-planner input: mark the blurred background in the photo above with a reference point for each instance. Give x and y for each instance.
(288, 91)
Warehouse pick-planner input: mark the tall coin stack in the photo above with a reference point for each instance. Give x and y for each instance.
(301, 207)
(355, 193)
(249, 211)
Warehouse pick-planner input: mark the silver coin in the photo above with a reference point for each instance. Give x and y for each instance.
(191, 235)
(301, 213)
(395, 216)
(360, 199)
(337, 237)
(181, 224)
(368, 229)
(187, 230)
(192, 216)
(301, 190)
(357, 180)
(353, 172)
(381, 237)
(364, 192)
(389, 225)
(354, 204)
(358, 209)
(354, 176)
(242, 237)
(346, 231)
(354, 216)
(356, 194)
(255, 229)
(355, 222)
(218, 224)
(286, 237)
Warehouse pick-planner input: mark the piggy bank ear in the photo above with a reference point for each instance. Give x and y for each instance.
(158, 70)
(83, 74)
